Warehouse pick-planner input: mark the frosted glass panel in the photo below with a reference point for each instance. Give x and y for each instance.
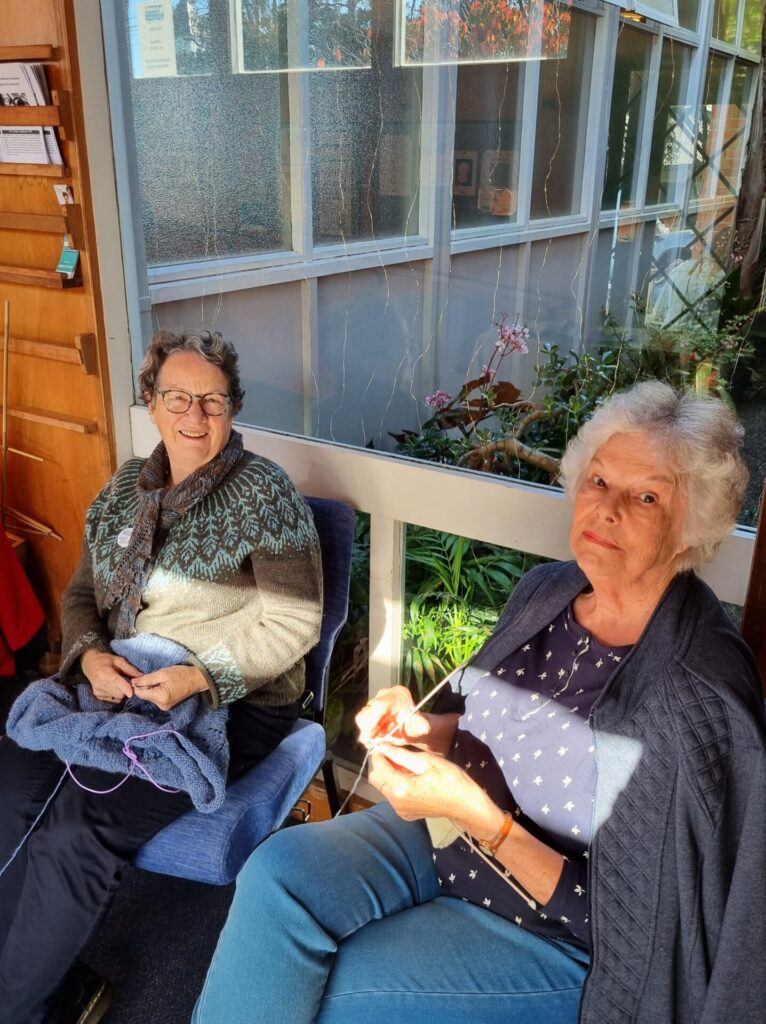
(315, 35)
(365, 145)
(367, 376)
(212, 157)
(481, 31)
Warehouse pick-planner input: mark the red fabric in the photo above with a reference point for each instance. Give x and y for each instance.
(20, 613)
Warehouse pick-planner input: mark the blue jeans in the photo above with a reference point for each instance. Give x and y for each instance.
(344, 923)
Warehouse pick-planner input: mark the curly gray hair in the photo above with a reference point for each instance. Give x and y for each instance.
(701, 440)
(211, 345)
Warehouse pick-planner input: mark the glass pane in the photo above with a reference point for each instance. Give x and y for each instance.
(480, 32)
(734, 137)
(629, 88)
(711, 124)
(365, 145)
(316, 35)
(562, 115)
(455, 589)
(721, 141)
(752, 26)
(672, 153)
(725, 20)
(687, 266)
(487, 139)
(213, 180)
(688, 13)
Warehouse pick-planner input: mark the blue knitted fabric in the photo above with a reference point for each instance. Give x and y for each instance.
(85, 731)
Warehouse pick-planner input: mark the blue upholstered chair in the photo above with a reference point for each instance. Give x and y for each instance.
(213, 847)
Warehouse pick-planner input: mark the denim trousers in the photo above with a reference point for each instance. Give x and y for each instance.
(343, 922)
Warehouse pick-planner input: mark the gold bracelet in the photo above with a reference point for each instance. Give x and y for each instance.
(491, 846)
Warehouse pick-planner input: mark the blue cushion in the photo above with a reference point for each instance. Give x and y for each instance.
(213, 847)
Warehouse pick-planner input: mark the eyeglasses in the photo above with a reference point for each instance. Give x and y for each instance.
(213, 404)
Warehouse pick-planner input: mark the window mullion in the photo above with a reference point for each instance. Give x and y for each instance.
(387, 537)
(301, 196)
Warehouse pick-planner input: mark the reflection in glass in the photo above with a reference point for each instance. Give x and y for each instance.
(487, 139)
(721, 141)
(752, 26)
(626, 117)
(365, 145)
(562, 116)
(482, 31)
(688, 12)
(315, 35)
(725, 20)
(672, 152)
(213, 178)
(688, 265)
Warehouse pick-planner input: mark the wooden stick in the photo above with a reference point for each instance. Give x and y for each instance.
(26, 455)
(32, 524)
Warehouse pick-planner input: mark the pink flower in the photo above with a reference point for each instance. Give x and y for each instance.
(438, 399)
(486, 374)
(512, 338)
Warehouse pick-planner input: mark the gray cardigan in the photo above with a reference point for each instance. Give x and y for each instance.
(677, 886)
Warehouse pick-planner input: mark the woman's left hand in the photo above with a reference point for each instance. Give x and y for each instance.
(419, 784)
(169, 686)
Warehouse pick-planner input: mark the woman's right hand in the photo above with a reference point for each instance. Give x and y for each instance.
(108, 674)
(389, 714)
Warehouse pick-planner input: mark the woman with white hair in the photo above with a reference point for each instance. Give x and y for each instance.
(583, 836)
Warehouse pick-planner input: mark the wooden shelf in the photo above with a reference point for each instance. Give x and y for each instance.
(36, 276)
(83, 354)
(36, 170)
(35, 51)
(53, 419)
(67, 222)
(31, 116)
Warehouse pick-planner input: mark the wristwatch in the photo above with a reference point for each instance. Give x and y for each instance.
(491, 846)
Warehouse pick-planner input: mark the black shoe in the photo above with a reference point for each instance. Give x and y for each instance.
(84, 996)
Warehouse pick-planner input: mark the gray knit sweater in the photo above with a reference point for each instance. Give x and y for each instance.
(677, 882)
(236, 581)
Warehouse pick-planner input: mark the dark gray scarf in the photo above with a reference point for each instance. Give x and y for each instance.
(158, 507)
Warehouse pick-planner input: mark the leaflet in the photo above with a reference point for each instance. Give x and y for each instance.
(23, 145)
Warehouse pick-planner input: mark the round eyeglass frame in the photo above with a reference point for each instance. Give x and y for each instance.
(217, 396)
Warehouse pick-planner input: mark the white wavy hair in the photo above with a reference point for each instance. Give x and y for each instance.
(698, 437)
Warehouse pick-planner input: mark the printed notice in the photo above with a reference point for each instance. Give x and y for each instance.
(156, 39)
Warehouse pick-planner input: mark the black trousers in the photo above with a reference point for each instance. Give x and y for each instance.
(63, 878)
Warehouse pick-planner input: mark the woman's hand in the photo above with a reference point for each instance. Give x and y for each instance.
(109, 675)
(420, 784)
(389, 714)
(381, 717)
(169, 686)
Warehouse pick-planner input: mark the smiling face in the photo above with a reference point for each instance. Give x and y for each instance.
(191, 438)
(628, 515)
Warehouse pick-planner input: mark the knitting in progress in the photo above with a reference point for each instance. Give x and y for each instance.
(185, 748)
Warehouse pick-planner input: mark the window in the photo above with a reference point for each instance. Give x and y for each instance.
(562, 122)
(629, 94)
(485, 179)
(672, 150)
(365, 144)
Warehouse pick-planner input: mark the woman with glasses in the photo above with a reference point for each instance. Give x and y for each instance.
(202, 544)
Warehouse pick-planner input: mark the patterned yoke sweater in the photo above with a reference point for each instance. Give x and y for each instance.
(236, 580)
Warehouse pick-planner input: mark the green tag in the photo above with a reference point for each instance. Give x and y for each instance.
(68, 260)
